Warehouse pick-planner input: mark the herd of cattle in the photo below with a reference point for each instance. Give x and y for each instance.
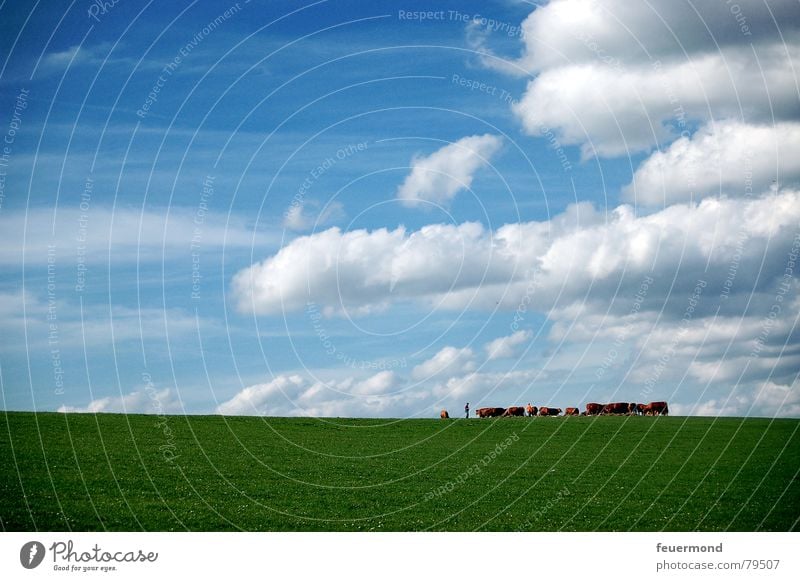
(654, 408)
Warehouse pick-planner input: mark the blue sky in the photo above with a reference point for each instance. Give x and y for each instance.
(179, 203)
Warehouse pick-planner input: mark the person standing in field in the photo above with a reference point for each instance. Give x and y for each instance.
(466, 411)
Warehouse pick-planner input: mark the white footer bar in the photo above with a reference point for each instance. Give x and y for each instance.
(369, 556)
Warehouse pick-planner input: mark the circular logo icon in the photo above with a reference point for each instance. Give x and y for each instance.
(31, 554)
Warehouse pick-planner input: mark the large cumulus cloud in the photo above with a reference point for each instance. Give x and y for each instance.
(618, 78)
(579, 256)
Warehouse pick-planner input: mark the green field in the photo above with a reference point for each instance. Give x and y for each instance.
(116, 472)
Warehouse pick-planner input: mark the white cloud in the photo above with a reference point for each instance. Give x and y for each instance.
(609, 112)
(381, 395)
(501, 389)
(259, 399)
(95, 326)
(59, 60)
(710, 361)
(444, 380)
(144, 401)
(438, 177)
(299, 395)
(478, 36)
(767, 399)
(506, 347)
(615, 78)
(728, 157)
(563, 32)
(125, 234)
(581, 255)
(380, 383)
(448, 361)
(97, 55)
(297, 218)
(355, 270)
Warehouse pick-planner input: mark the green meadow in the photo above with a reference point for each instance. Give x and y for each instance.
(88, 472)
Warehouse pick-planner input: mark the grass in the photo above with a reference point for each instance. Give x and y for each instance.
(212, 473)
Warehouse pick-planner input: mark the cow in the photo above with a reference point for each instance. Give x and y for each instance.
(489, 412)
(514, 411)
(532, 410)
(615, 409)
(656, 408)
(632, 410)
(594, 409)
(572, 412)
(444, 415)
(640, 409)
(545, 411)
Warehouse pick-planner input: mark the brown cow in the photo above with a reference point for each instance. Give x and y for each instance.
(656, 408)
(514, 411)
(532, 410)
(444, 415)
(615, 409)
(489, 412)
(572, 412)
(545, 411)
(594, 409)
(640, 409)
